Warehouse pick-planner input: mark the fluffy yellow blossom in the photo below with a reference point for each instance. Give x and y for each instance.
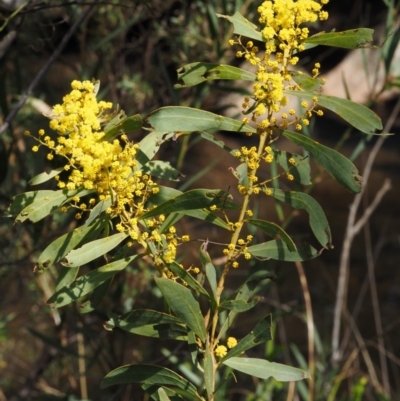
(220, 351)
(232, 342)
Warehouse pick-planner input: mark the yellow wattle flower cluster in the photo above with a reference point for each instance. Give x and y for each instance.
(281, 22)
(108, 168)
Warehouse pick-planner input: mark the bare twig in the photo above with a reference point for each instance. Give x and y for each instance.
(44, 69)
(310, 329)
(350, 233)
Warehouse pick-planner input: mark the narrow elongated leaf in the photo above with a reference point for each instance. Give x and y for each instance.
(122, 124)
(243, 294)
(240, 305)
(149, 374)
(47, 202)
(149, 323)
(209, 373)
(273, 230)
(66, 276)
(265, 369)
(177, 118)
(149, 146)
(93, 250)
(162, 169)
(43, 177)
(300, 170)
(163, 395)
(306, 82)
(318, 222)
(61, 246)
(21, 201)
(355, 114)
(98, 209)
(260, 334)
(166, 193)
(96, 297)
(278, 250)
(194, 199)
(196, 73)
(351, 39)
(88, 282)
(183, 304)
(337, 165)
(241, 26)
(188, 278)
(211, 138)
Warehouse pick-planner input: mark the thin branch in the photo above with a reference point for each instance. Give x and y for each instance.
(341, 293)
(44, 69)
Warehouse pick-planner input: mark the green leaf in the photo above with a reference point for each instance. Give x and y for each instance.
(21, 201)
(351, 39)
(193, 199)
(183, 304)
(206, 215)
(45, 202)
(162, 169)
(149, 323)
(260, 334)
(300, 169)
(278, 250)
(209, 373)
(318, 222)
(96, 297)
(196, 73)
(243, 294)
(210, 273)
(88, 282)
(66, 276)
(149, 146)
(306, 82)
(98, 209)
(240, 305)
(188, 278)
(264, 369)
(122, 124)
(93, 250)
(338, 166)
(61, 246)
(163, 395)
(177, 118)
(149, 374)
(273, 230)
(355, 114)
(43, 177)
(241, 26)
(211, 138)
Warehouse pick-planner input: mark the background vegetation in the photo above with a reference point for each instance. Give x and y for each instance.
(135, 48)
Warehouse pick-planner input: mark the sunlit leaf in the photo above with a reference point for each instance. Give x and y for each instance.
(278, 250)
(162, 169)
(121, 124)
(337, 165)
(196, 73)
(239, 305)
(306, 82)
(264, 369)
(88, 282)
(300, 170)
(273, 230)
(241, 26)
(43, 177)
(178, 118)
(193, 199)
(318, 222)
(351, 39)
(93, 250)
(355, 114)
(183, 304)
(61, 246)
(149, 323)
(149, 374)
